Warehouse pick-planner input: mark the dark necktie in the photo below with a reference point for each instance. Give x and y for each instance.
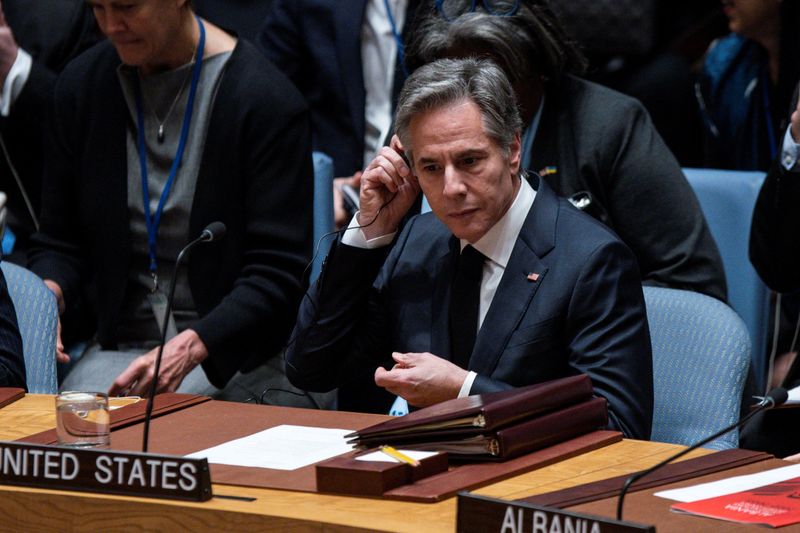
(464, 305)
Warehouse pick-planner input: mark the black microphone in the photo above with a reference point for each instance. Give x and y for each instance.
(774, 398)
(213, 232)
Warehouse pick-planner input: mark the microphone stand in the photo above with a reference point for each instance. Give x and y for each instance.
(774, 398)
(206, 236)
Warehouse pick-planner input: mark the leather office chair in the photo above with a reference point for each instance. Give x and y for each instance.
(323, 209)
(701, 353)
(727, 198)
(37, 316)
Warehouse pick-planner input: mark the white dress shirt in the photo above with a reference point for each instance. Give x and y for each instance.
(497, 245)
(15, 81)
(378, 60)
(790, 152)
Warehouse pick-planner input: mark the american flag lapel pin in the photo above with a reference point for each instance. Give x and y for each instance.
(533, 276)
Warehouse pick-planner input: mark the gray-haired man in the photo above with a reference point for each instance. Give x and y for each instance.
(555, 293)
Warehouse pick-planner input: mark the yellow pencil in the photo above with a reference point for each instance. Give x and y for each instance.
(391, 452)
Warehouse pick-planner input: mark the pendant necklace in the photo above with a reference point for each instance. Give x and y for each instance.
(161, 123)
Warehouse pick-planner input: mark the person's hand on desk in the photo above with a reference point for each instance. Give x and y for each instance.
(388, 190)
(181, 354)
(421, 378)
(796, 123)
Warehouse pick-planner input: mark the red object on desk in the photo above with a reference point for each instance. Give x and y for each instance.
(775, 505)
(10, 395)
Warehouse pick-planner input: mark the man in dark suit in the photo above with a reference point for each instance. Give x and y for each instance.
(775, 253)
(37, 39)
(346, 59)
(318, 45)
(552, 293)
(775, 235)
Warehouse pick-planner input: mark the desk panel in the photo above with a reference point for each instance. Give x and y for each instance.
(274, 510)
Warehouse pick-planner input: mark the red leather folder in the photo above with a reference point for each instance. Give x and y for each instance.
(10, 395)
(484, 412)
(513, 440)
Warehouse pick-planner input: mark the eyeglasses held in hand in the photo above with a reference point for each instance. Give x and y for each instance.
(452, 9)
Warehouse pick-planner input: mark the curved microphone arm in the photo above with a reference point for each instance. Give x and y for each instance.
(775, 398)
(212, 232)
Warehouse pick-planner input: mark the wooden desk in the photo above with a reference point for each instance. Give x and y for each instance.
(43, 510)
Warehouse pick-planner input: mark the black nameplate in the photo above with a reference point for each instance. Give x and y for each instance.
(480, 514)
(105, 471)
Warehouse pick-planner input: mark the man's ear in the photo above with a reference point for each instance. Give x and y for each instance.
(397, 145)
(515, 154)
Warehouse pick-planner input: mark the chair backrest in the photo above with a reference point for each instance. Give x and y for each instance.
(727, 198)
(701, 353)
(323, 208)
(37, 316)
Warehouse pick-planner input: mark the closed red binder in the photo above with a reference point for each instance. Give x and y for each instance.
(484, 412)
(513, 440)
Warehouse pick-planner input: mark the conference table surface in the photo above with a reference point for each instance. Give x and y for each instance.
(276, 510)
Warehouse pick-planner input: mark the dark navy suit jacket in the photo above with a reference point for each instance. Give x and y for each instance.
(317, 44)
(584, 313)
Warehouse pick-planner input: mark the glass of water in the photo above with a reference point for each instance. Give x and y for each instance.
(82, 419)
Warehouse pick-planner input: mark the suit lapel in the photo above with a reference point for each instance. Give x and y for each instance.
(523, 276)
(440, 301)
(349, 17)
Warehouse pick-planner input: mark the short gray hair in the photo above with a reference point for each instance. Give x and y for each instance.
(450, 81)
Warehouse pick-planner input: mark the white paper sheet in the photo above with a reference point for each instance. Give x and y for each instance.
(794, 395)
(284, 447)
(730, 485)
(383, 458)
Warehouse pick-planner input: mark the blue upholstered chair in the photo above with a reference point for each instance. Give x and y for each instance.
(727, 198)
(37, 315)
(323, 208)
(701, 353)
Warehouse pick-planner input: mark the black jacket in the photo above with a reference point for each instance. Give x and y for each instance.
(775, 233)
(603, 142)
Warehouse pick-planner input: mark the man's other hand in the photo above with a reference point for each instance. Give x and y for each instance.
(423, 379)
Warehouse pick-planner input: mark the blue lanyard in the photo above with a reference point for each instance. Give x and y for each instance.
(398, 38)
(153, 221)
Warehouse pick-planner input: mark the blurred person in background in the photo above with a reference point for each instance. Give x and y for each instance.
(347, 58)
(746, 84)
